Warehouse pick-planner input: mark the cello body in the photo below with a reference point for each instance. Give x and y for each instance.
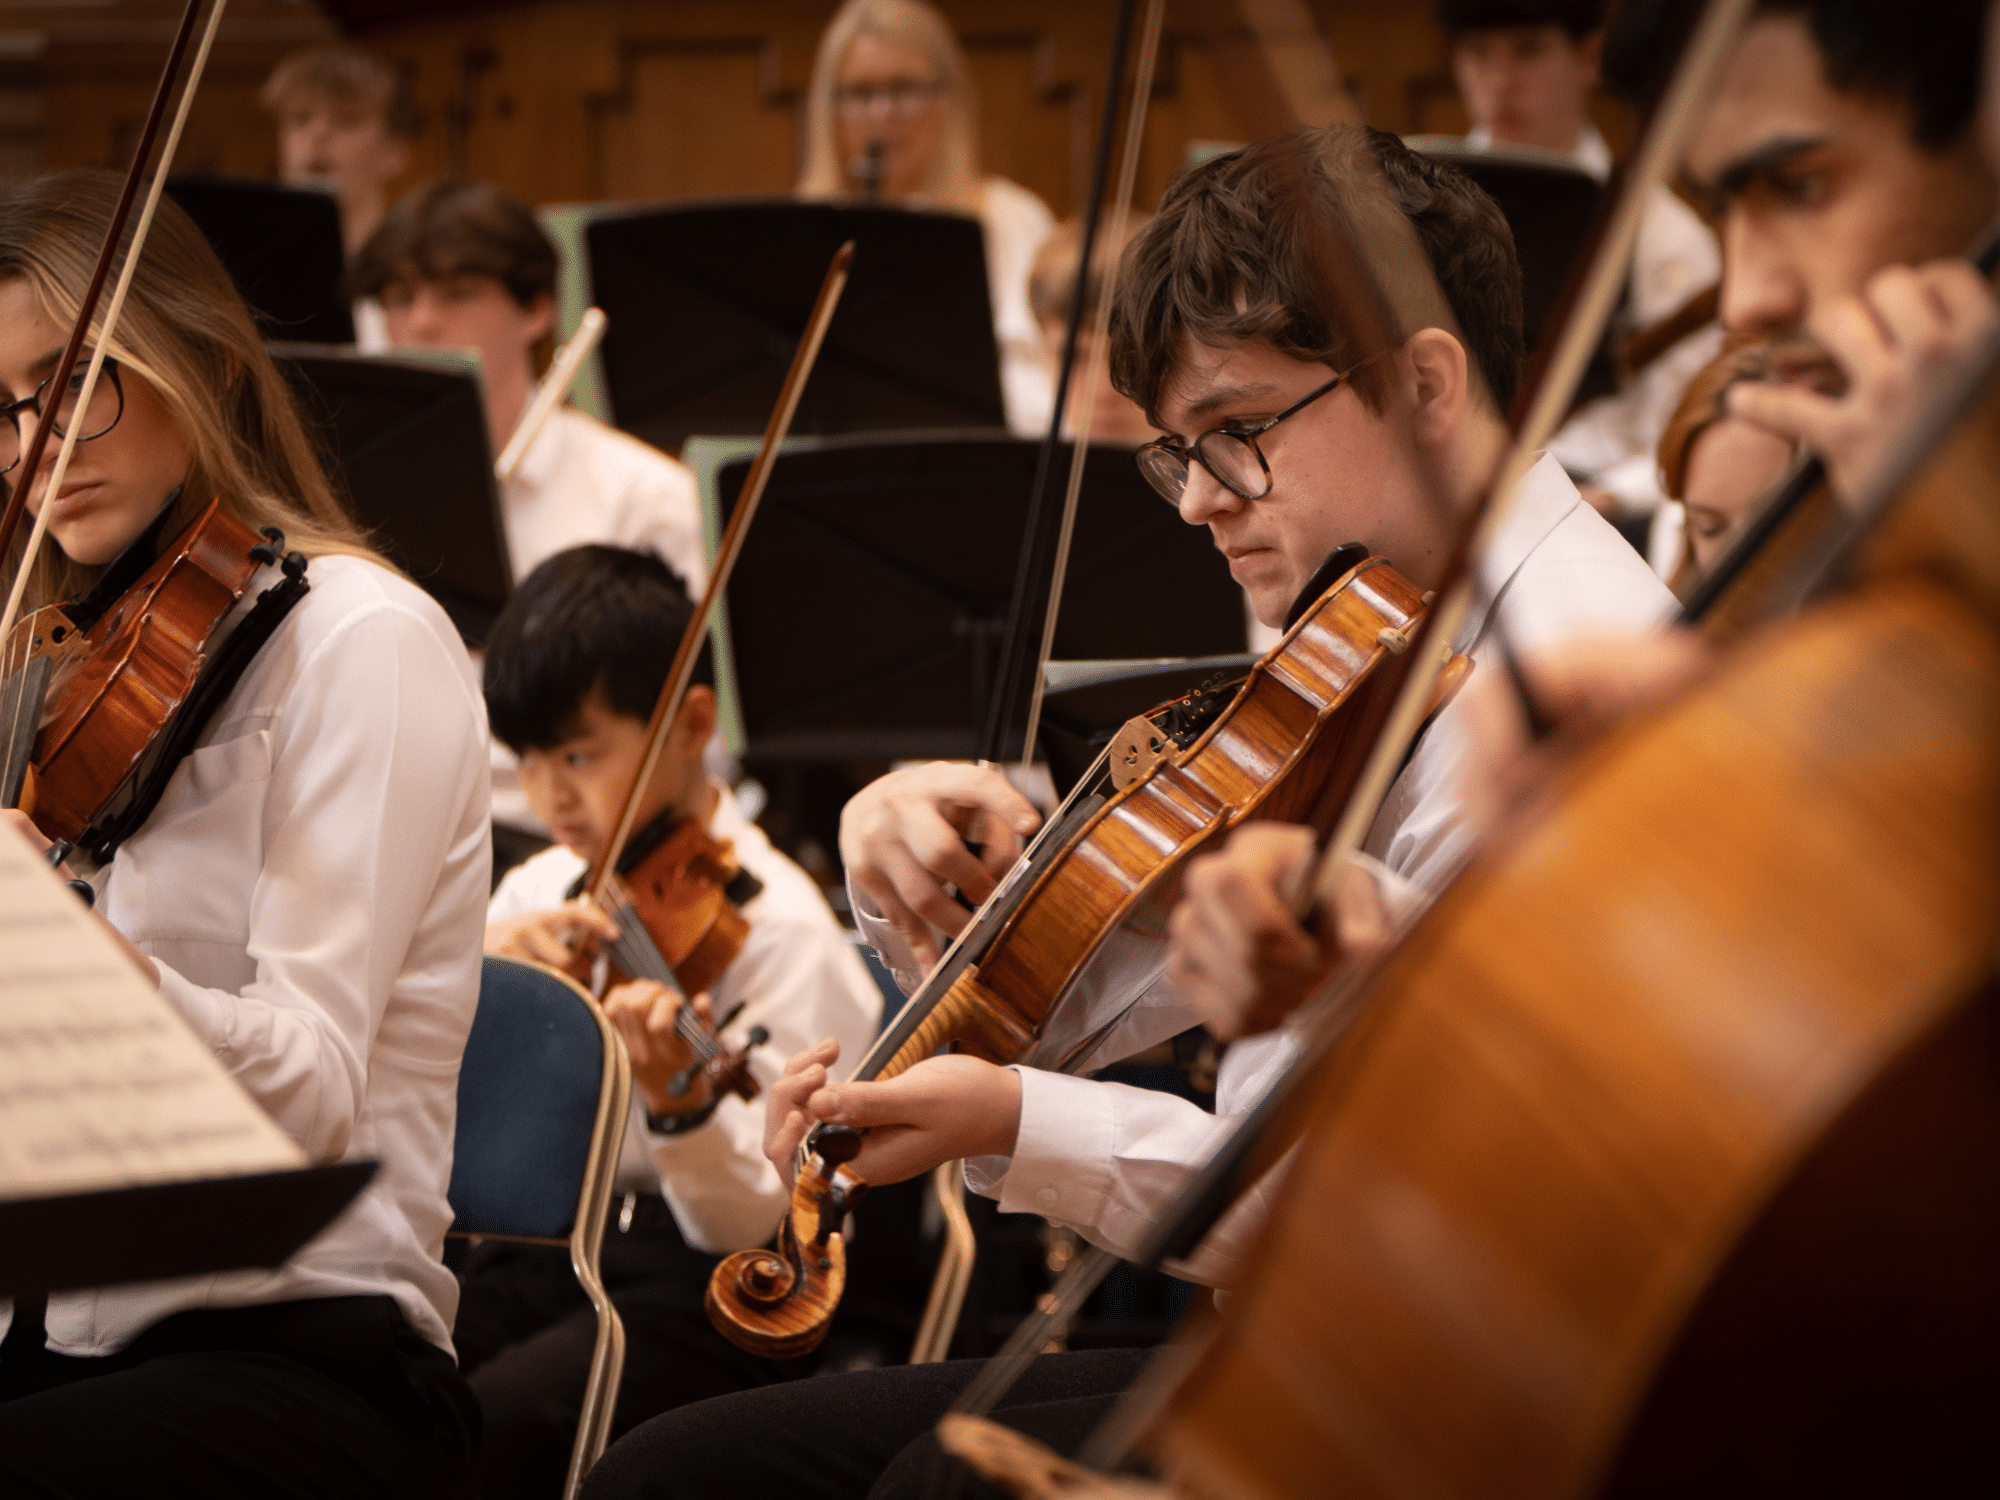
(1664, 1159)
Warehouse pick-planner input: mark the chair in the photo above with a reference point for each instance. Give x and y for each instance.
(947, 1186)
(543, 1094)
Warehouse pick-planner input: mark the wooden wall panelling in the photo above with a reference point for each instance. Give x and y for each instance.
(573, 100)
(98, 66)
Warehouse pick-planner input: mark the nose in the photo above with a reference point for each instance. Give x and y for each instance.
(1761, 290)
(1204, 497)
(420, 319)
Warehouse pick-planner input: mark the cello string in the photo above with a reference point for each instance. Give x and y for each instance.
(101, 349)
(1086, 410)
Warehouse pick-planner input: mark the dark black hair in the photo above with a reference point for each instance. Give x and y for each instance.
(1927, 56)
(591, 617)
(1577, 17)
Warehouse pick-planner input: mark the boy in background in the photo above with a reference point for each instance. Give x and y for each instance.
(572, 670)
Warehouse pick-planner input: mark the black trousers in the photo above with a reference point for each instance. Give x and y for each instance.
(332, 1397)
(525, 1333)
(843, 1437)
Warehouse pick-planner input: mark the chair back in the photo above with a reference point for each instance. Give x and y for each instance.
(532, 1091)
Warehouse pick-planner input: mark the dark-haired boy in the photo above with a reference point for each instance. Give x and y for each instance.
(1843, 161)
(463, 265)
(1224, 319)
(572, 670)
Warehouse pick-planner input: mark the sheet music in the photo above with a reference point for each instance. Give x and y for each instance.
(102, 1084)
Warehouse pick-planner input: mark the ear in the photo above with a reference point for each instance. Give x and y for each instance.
(539, 316)
(1441, 388)
(695, 724)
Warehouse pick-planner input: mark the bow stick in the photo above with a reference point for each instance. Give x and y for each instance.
(562, 375)
(674, 689)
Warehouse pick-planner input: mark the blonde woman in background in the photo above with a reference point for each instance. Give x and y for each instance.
(891, 115)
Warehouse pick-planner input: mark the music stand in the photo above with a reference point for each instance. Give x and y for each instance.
(707, 301)
(282, 248)
(405, 442)
(866, 609)
(1549, 202)
(157, 1230)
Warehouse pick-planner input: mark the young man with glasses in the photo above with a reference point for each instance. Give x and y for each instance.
(1288, 436)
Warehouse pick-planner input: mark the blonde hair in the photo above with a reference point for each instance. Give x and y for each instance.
(185, 332)
(954, 179)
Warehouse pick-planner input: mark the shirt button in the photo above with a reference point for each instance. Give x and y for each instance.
(1046, 1198)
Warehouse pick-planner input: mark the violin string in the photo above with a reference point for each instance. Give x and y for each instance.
(638, 955)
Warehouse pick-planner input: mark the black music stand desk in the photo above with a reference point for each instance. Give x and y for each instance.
(404, 439)
(168, 1229)
(708, 300)
(865, 616)
(282, 248)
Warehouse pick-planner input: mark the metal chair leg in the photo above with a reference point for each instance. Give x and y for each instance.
(954, 1272)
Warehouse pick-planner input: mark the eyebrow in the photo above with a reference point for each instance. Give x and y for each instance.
(1227, 396)
(1739, 173)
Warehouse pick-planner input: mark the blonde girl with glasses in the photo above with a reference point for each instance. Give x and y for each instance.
(891, 116)
(308, 895)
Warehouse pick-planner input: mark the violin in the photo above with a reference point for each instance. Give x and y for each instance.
(675, 900)
(116, 686)
(1083, 913)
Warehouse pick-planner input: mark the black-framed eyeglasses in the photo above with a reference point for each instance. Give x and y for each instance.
(107, 405)
(1231, 454)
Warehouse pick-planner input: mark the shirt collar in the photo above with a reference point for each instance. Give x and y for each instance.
(1539, 503)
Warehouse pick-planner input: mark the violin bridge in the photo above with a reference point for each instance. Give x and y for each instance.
(1138, 747)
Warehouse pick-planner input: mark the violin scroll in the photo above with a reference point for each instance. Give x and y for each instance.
(780, 1302)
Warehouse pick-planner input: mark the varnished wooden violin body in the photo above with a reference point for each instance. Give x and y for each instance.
(675, 902)
(1079, 925)
(108, 678)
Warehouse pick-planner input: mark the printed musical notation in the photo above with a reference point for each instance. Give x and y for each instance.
(102, 1084)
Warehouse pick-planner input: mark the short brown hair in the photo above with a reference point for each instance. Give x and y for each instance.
(447, 227)
(1238, 254)
(343, 74)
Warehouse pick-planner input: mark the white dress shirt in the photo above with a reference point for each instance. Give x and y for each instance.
(581, 481)
(1614, 438)
(798, 976)
(1110, 1160)
(1016, 223)
(311, 886)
